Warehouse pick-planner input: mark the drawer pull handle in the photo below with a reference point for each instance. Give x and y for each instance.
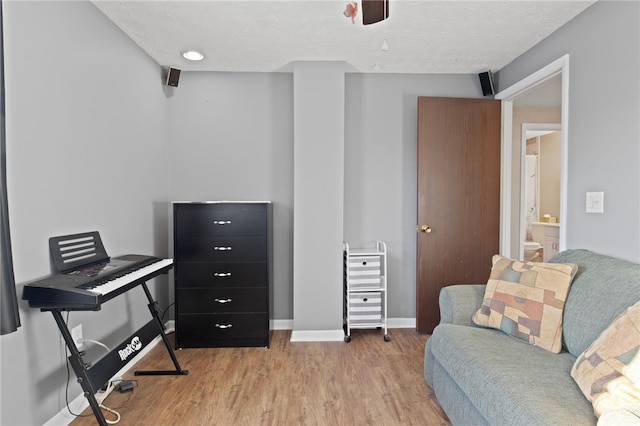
(223, 326)
(222, 274)
(222, 222)
(223, 301)
(220, 248)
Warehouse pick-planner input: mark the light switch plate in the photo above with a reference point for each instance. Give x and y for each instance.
(595, 202)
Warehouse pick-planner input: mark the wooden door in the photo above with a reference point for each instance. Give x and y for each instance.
(458, 197)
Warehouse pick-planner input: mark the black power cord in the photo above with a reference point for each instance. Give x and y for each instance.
(166, 310)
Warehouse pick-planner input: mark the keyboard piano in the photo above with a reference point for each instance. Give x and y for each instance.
(87, 277)
(89, 286)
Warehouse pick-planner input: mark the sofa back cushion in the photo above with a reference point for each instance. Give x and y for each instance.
(602, 289)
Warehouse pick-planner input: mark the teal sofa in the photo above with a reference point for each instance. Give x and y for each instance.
(482, 376)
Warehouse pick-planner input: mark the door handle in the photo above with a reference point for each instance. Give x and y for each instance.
(426, 229)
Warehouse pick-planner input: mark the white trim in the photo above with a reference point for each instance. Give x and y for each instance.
(560, 65)
(317, 336)
(80, 403)
(282, 324)
(401, 323)
(537, 77)
(63, 418)
(506, 151)
(338, 335)
(564, 155)
(287, 324)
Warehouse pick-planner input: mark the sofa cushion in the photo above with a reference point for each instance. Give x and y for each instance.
(509, 381)
(602, 289)
(608, 372)
(526, 300)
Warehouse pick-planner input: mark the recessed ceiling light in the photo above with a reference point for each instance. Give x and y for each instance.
(192, 55)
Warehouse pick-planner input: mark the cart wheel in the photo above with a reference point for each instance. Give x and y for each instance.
(387, 338)
(347, 339)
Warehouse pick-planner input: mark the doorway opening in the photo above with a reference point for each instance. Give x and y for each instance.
(549, 85)
(540, 191)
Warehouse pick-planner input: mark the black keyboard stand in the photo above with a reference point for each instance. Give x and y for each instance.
(92, 378)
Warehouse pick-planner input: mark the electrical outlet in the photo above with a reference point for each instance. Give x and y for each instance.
(76, 335)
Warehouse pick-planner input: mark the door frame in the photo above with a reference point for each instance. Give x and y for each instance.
(507, 96)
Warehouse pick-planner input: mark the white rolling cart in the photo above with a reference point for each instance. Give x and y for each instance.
(365, 288)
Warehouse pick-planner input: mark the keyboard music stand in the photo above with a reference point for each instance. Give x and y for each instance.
(92, 378)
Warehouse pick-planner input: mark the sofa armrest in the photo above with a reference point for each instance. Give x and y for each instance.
(459, 302)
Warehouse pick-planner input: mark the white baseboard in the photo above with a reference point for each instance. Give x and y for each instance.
(171, 326)
(287, 324)
(317, 336)
(64, 418)
(80, 403)
(282, 324)
(334, 335)
(401, 323)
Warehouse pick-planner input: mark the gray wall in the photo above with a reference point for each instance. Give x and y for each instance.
(603, 44)
(136, 145)
(381, 170)
(232, 138)
(87, 150)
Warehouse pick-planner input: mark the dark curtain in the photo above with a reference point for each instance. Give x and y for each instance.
(9, 314)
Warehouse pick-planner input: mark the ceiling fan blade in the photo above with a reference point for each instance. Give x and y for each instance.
(374, 11)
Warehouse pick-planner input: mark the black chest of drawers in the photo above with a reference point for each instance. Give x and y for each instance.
(223, 273)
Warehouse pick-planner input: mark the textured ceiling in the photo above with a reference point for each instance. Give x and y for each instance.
(429, 36)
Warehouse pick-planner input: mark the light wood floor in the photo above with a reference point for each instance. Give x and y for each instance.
(364, 382)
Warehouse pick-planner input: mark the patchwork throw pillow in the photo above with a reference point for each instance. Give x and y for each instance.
(608, 371)
(526, 300)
